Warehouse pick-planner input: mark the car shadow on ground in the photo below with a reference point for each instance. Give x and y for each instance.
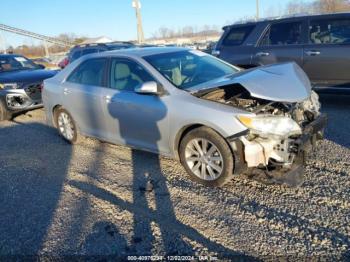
(33, 167)
(337, 107)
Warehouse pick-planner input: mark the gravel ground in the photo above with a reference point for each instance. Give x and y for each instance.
(101, 199)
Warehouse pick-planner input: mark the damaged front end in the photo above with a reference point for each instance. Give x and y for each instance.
(279, 140)
(24, 97)
(280, 133)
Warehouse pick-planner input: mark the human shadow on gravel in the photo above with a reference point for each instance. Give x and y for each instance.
(337, 107)
(138, 121)
(168, 224)
(33, 166)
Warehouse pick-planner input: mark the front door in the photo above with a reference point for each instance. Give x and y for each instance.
(327, 59)
(282, 42)
(134, 119)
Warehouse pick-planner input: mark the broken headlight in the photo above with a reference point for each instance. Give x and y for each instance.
(271, 125)
(17, 101)
(8, 86)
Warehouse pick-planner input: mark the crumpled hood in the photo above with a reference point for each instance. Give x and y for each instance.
(285, 82)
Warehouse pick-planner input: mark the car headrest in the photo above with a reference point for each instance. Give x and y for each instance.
(121, 71)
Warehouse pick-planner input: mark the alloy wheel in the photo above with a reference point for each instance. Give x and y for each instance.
(204, 159)
(66, 126)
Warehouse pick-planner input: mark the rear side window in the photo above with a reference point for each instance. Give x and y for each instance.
(90, 72)
(237, 35)
(335, 31)
(283, 34)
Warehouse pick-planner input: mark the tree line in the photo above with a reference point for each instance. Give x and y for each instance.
(317, 7)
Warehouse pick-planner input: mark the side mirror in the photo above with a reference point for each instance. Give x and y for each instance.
(151, 87)
(41, 66)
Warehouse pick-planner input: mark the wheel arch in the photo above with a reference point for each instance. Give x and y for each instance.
(237, 150)
(180, 135)
(53, 113)
(185, 130)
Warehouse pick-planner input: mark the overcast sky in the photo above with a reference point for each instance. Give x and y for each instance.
(116, 18)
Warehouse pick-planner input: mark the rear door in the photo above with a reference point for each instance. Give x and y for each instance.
(281, 42)
(327, 54)
(83, 94)
(233, 48)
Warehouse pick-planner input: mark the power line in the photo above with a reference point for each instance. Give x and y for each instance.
(35, 35)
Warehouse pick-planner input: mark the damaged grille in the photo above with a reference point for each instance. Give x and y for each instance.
(34, 91)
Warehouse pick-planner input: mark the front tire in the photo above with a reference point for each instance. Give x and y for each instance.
(207, 157)
(66, 126)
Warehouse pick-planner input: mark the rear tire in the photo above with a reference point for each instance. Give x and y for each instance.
(66, 126)
(207, 157)
(4, 113)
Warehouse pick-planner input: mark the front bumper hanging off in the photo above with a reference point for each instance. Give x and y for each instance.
(257, 155)
(301, 148)
(311, 133)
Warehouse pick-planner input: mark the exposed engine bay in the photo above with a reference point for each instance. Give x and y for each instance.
(237, 96)
(267, 152)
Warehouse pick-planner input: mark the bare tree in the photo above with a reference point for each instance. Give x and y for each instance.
(331, 6)
(297, 7)
(188, 31)
(317, 6)
(163, 32)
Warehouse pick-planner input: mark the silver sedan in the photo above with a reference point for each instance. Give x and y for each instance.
(217, 119)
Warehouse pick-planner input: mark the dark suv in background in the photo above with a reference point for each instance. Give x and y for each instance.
(85, 49)
(320, 44)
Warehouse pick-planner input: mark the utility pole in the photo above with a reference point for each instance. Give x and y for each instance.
(46, 46)
(257, 9)
(137, 5)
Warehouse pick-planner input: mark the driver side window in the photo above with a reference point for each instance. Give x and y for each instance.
(126, 75)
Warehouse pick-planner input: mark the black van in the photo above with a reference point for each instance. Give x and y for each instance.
(320, 44)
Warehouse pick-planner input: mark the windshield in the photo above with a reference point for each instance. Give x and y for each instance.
(11, 63)
(186, 69)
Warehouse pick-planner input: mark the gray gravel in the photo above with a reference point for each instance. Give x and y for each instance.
(101, 199)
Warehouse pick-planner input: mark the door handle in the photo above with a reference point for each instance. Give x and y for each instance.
(66, 91)
(260, 54)
(312, 53)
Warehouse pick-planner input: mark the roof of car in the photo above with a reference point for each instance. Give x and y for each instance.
(8, 55)
(286, 17)
(102, 45)
(141, 52)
